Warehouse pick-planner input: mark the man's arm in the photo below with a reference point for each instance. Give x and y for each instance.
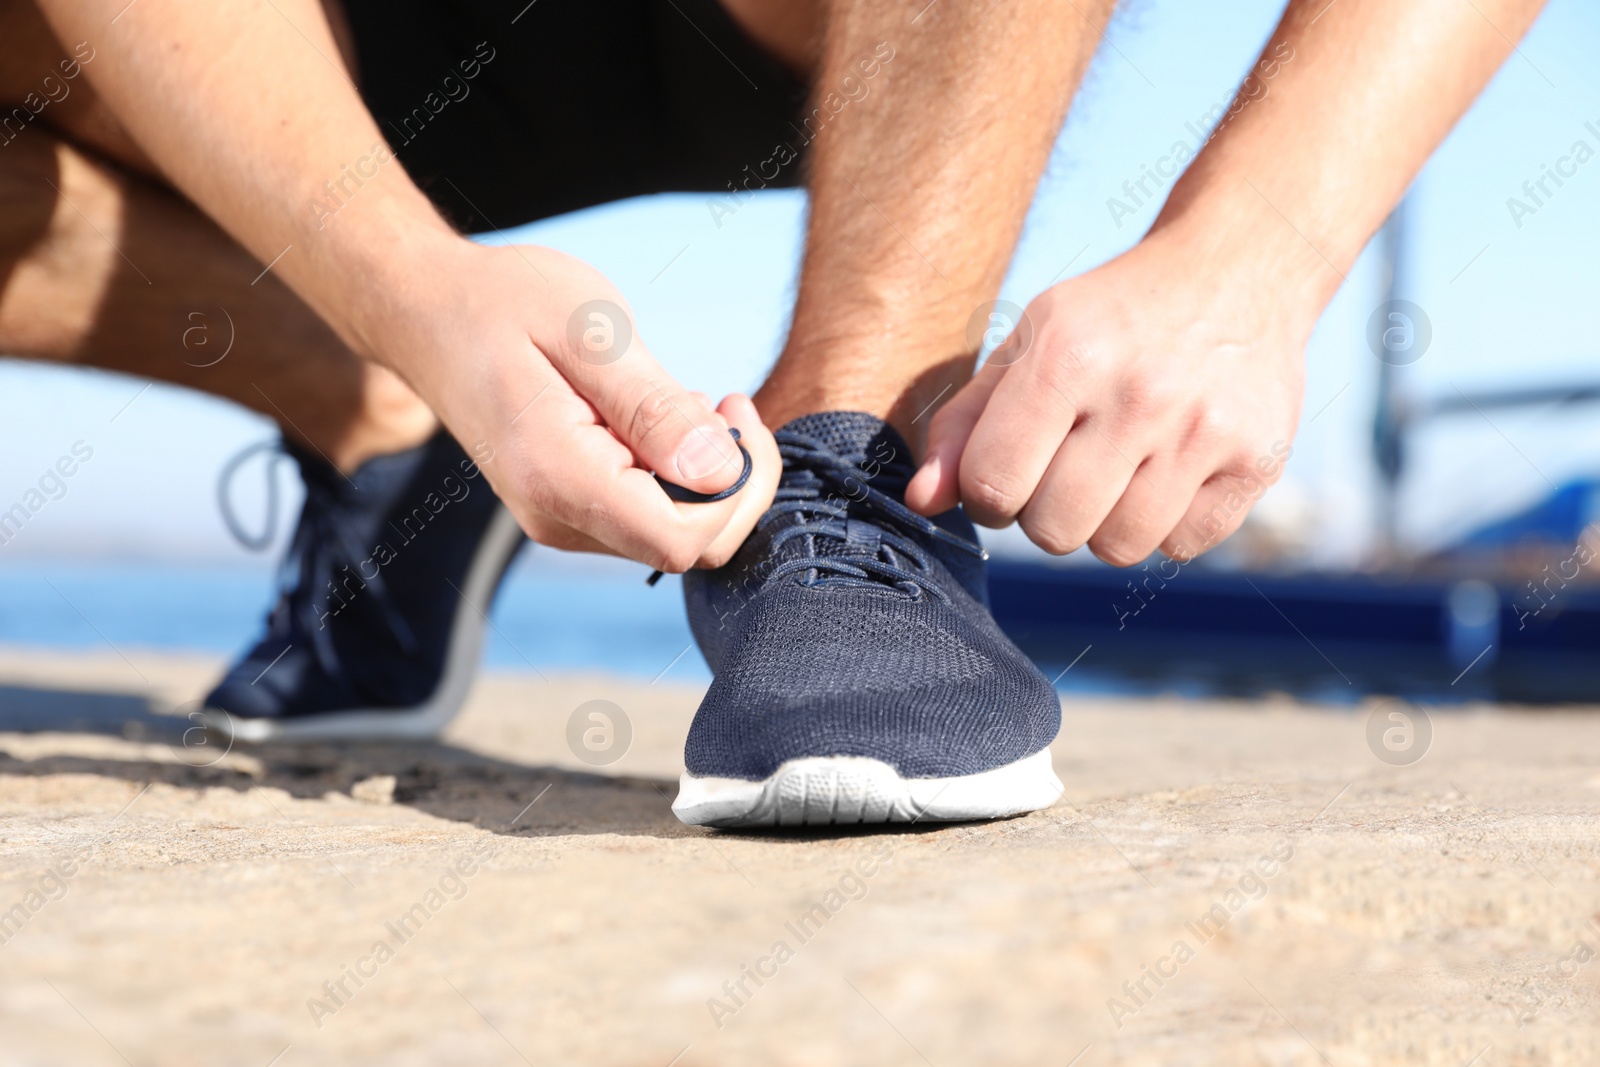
(1161, 390)
(246, 107)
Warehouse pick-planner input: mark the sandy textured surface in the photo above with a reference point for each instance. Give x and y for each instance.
(1446, 912)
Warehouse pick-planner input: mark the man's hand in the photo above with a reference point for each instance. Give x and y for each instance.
(530, 357)
(246, 109)
(1142, 405)
(1159, 392)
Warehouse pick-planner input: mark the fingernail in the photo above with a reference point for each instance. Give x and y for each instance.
(704, 452)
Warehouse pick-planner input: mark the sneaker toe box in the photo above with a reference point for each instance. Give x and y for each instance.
(931, 688)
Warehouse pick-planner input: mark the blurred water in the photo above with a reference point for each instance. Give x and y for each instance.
(552, 613)
(555, 612)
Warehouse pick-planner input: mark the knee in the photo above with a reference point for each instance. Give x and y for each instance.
(28, 50)
(42, 88)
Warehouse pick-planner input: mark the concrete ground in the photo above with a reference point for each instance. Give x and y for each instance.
(1227, 883)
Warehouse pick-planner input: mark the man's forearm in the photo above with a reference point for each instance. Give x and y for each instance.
(1347, 104)
(248, 109)
(1163, 386)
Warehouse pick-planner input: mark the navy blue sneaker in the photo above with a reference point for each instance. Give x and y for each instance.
(859, 677)
(384, 590)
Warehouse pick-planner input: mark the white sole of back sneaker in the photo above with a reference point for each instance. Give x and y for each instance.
(849, 790)
(427, 719)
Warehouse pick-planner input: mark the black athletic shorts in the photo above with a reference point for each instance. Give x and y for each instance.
(506, 111)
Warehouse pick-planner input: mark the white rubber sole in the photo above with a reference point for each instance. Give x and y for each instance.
(424, 720)
(846, 790)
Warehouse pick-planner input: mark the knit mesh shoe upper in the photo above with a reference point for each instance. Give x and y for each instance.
(847, 625)
(371, 586)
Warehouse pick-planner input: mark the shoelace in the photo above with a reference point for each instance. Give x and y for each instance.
(829, 517)
(274, 451)
(322, 545)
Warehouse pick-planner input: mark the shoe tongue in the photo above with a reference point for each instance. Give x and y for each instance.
(856, 436)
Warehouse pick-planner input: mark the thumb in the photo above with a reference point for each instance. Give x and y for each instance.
(936, 487)
(671, 431)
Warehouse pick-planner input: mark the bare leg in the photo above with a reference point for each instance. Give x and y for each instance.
(102, 265)
(919, 190)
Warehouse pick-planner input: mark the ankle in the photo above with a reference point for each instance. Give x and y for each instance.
(904, 392)
(368, 441)
(392, 419)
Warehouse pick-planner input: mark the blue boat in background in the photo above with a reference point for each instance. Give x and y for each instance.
(1320, 636)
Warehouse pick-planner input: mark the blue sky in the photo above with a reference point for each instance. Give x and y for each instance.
(1509, 305)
